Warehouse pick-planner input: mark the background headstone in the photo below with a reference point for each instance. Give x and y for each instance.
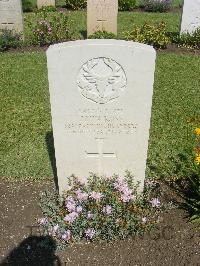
(102, 16)
(44, 3)
(11, 15)
(191, 16)
(101, 96)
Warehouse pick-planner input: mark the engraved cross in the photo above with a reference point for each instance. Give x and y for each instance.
(100, 154)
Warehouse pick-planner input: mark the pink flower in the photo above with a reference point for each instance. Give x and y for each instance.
(90, 215)
(81, 195)
(71, 217)
(96, 195)
(90, 232)
(155, 202)
(49, 29)
(107, 209)
(66, 235)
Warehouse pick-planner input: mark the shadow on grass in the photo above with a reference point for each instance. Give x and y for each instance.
(51, 151)
(34, 250)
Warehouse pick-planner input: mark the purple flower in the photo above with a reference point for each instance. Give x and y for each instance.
(70, 204)
(55, 228)
(127, 197)
(155, 202)
(71, 217)
(90, 215)
(43, 221)
(90, 232)
(79, 209)
(66, 235)
(107, 209)
(81, 195)
(49, 29)
(96, 195)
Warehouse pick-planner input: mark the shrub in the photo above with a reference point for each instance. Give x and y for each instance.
(124, 5)
(102, 35)
(9, 39)
(188, 40)
(193, 199)
(157, 5)
(50, 29)
(28, 6)
(76, 4)
(149, 34)
(46, 9)
(103, 208)
(127, 5)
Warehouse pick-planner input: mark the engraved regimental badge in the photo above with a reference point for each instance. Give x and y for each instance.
(101, 80)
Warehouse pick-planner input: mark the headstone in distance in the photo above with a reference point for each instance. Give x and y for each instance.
(191, 16)
(102, 16)
(45, 3)
(11, 15)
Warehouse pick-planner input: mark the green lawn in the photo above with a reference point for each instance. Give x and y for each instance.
(26, 122)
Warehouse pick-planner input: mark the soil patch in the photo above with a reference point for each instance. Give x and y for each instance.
(174, 242)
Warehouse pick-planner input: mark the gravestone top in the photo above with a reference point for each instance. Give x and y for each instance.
(102, 16)
(191, 16)
(101, 94)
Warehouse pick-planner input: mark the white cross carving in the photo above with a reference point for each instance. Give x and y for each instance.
(100, 154)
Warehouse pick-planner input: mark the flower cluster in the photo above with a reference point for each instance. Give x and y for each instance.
(197, 150)
(157, 5)
(106, 207)
(50, 29)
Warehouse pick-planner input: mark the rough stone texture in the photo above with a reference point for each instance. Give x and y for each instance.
(190, 16)
(11, 15)
(43, 3)
(102, 16)
(101, 95)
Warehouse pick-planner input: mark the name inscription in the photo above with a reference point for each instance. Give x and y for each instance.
(102, 121)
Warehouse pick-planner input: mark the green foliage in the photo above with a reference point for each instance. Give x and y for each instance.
(193, 198)
(76, 4)
(46, 9)
(9, 39)
(28, 6)
(47, 30)
(150, 34)
(102, 35)
(103, 208)
(127, 5)
(156, 5)
(188, 40)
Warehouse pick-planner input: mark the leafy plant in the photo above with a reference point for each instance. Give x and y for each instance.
(188, 40)
(156, 5)
(76, 4)
(28, 6)
(50, 29)
(150, 34)
(127, 5)
(193, 200)
(46, 9)
(103, 208)
(9, 39)
(102, 35)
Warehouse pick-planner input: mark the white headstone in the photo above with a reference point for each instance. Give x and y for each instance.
(102, 16)
(45, 3)
(191, 16)
(101, 96)
(11, 15)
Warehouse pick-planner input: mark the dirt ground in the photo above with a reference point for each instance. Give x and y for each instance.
(175, 242)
